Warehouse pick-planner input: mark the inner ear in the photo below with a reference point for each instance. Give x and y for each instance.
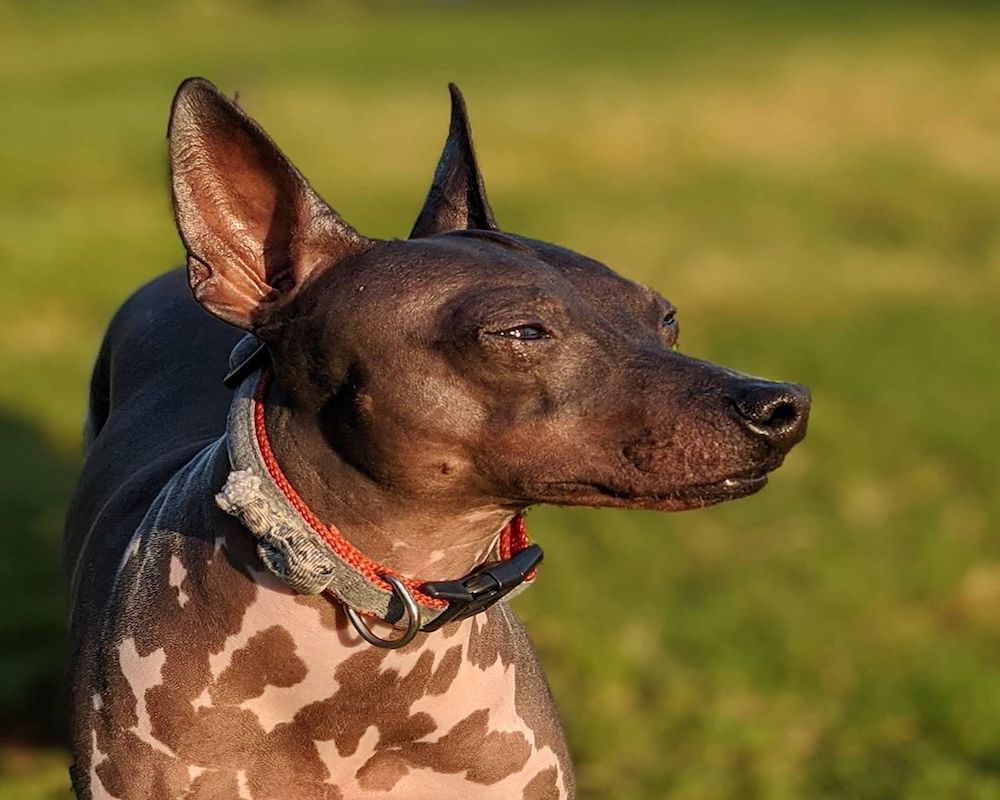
(457, 198)
(253, 228)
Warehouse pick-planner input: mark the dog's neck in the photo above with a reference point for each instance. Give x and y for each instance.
(407, 534)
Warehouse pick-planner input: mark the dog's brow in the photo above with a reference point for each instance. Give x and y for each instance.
(661, 303)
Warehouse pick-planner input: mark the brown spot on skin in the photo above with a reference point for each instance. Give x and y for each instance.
(382, 771)
(327, 610)
(214, 785)
(489, 639)
(288, 767)
(368, 696)
(129, 768)
(450, 630)
(135, 771)
(413, 727)
(220, 737)
(544, 786)
(216, 580)
(486, 757)
(446, 672)
(219, 591)
(371, 694)
(117, 696)
(170, 714)
(267, 659)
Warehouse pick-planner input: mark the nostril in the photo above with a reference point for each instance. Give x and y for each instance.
(777, 412)
(783, 415)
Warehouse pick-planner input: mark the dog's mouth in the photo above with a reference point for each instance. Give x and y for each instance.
(682, 498)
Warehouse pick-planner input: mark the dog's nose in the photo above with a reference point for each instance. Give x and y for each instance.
(778, 412)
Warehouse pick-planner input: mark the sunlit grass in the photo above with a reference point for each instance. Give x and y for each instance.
(816, 189)
(33, 774)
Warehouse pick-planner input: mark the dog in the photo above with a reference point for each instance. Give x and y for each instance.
(294, 584)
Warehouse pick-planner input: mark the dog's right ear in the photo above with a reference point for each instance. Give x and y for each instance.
(457, 198)
(253, 228)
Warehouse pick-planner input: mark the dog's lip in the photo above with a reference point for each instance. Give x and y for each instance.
(585, 492)
(746, 481)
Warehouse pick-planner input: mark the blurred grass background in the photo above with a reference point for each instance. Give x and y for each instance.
(816, 186)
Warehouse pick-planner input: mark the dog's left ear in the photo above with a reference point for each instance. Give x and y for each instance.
(457, 200)
(254, 230)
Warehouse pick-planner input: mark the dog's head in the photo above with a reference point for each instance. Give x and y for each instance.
(463, 363)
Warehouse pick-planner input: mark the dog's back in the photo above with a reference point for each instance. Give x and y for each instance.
(155, 400)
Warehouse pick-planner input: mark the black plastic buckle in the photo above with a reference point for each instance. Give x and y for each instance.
(480, 589)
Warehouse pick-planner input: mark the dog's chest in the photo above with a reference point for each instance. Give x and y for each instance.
(220, 686)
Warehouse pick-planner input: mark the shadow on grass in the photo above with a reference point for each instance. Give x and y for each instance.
(37, 481)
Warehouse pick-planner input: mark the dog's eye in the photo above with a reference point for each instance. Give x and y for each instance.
(523, 333)
(669, 329)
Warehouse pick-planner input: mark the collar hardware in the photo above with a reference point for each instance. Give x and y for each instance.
(482, 587)
(412, 618)
(258, 359)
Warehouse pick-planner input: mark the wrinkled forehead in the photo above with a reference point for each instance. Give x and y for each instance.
(594, 286)
(612, 294)
(419, 277)
(467, 259)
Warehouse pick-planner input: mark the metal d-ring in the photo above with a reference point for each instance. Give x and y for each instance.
(412, 614)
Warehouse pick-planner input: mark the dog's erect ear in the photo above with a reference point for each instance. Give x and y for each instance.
(457, 200)
(253, 227)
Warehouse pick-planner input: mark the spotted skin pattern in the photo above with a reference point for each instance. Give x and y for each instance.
(218, 682)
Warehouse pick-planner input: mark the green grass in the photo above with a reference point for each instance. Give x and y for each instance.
(816, 187)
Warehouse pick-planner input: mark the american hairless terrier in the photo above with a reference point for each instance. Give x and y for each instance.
(289, 590)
